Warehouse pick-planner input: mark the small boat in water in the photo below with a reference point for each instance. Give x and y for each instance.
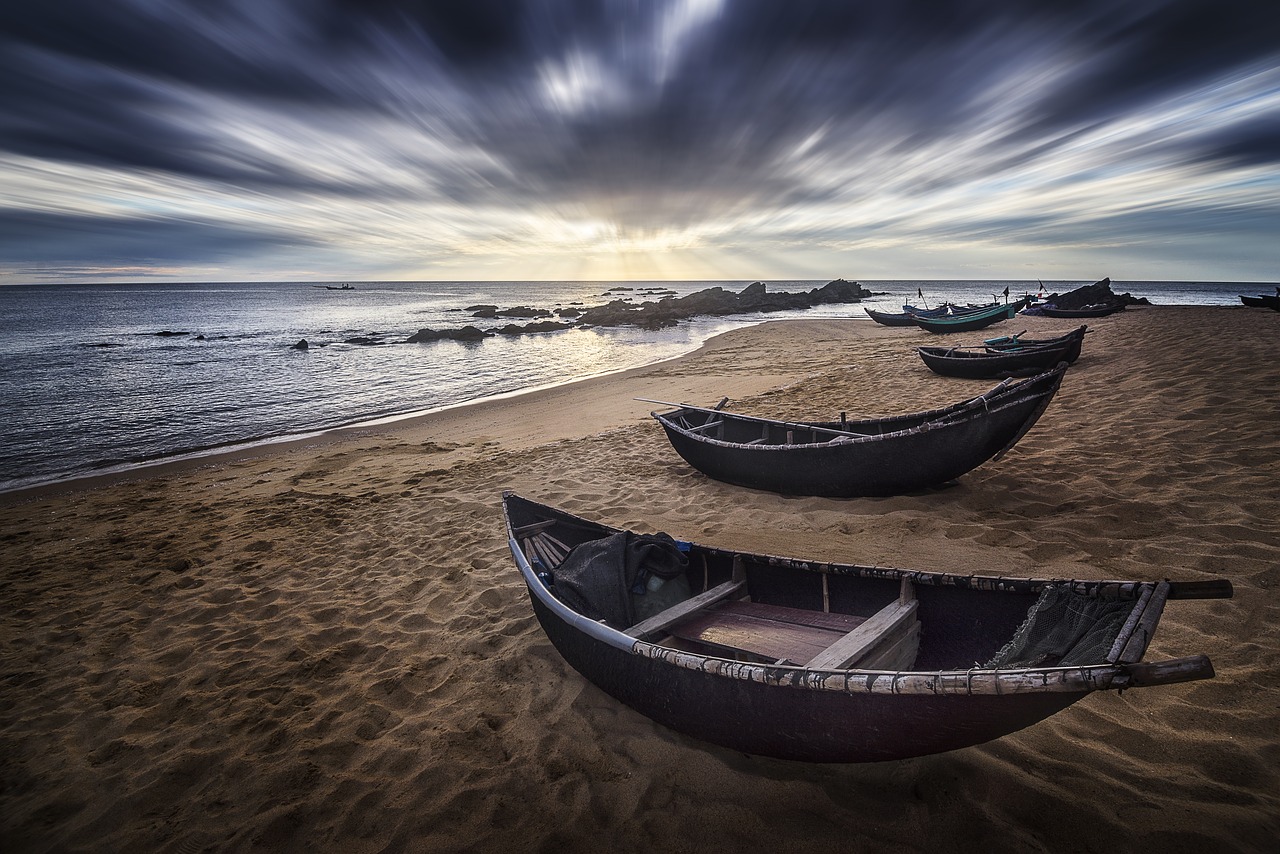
(983, 361)
(869, 457)
(825, 662)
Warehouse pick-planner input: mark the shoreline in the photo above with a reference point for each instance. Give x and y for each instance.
(329, 647)
(253, 450)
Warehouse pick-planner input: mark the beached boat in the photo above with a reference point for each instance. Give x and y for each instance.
(1262, 301)
(1017, 342)
(824, 662)
(1084, 311)
(972, 319)
(903, 318)
(981, 361)
(870, 457)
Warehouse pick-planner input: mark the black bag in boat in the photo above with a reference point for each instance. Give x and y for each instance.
(623, 578)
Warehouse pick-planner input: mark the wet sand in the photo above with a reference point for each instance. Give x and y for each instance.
(325, 645)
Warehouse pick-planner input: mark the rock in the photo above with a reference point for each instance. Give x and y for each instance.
(365, 341)
(165, 333)
(538, 326)
(301, 345)
(487, 312)
(524, 311)
(466, 333)
(568, 312)
(1099, 293)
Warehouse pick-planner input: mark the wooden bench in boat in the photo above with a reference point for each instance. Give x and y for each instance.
(888, 640)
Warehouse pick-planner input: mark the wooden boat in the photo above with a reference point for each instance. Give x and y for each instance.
(1262, 301)
(903, 318)
(971, 320)
(1085, 311)
(875, 456)
(1017, 342)
(825, 662)
(980, 362)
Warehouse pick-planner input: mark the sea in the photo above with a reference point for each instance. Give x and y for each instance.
(99, 378)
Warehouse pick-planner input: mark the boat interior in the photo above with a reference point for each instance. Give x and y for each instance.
(764, 610)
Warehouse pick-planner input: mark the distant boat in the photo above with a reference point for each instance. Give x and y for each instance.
(339, 288)
(903, 318)
(971, 319)
(1262, 301)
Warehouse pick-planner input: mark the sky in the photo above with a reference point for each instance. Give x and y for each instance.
(282, 140)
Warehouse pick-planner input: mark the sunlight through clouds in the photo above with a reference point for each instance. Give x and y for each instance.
(677, 139)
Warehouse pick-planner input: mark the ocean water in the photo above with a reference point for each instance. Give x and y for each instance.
(88, 384)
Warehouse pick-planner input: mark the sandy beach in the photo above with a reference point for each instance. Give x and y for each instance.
(325, 645)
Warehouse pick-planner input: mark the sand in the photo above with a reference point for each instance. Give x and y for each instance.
(325, 646)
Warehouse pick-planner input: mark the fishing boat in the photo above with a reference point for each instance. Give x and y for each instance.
(903, 318)
(982, 361)
(828, 662)
(1100, 310)
(1262, 301)
(1017, 342)
(851, 458)
(973, 319)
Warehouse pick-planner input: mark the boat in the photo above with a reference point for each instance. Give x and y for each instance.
(870, 457)
(903, 318)
(1262, 301)
(1101, 310)
(826, 662)
(973, 319)
(339, 287)
(1016, 342)
(981, 361)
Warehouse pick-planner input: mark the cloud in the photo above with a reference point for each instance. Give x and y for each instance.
(477, 128)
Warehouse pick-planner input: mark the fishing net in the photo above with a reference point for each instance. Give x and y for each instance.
(1064, 628)
(623, 578)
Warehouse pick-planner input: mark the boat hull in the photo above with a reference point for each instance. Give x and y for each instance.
(1073, 339)
(1100, 311)
(969, 322)
(909, 459)
(999, 362)
(818, 713)
(790, 722)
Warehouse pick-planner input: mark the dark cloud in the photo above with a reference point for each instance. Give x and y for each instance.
(618, 108)
(36, 239)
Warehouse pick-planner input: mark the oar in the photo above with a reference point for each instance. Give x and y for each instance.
(795, 425)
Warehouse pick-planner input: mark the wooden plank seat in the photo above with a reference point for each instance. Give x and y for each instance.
(771, 632)
(887, 640)
(681, 610)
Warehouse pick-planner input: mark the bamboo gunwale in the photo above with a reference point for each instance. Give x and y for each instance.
(973, 682)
